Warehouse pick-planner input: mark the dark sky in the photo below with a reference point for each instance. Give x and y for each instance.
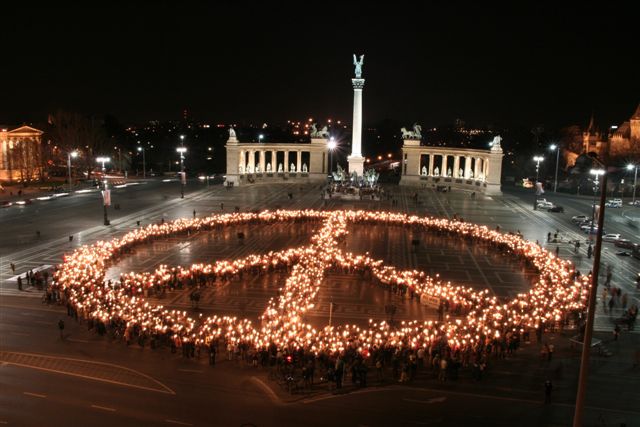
(236, 61)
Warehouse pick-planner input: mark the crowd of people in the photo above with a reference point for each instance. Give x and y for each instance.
(476, 324)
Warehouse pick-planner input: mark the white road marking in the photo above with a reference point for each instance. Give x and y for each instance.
(41, 396)
(104, 408)
(177, 422)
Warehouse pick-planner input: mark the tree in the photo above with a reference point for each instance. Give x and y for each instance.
(73, 131)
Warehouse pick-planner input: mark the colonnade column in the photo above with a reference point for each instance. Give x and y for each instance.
(486, 169)
(456, 166)
(263, 162)
(274, 157)
(467, 166)
(477, 168)
(443, 169)
(299, 162)
(241, 160)
(431, 160)
(286, 161)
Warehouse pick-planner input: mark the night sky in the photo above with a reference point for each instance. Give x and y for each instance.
(239, 61)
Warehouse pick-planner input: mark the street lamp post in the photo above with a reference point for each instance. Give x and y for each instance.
(591, 308)
(596, 183)
(332, 146)
(182, 150)
(260, 138)
(144, 164)
(537, 159)
(635, 181)
(556, 147)
(70, 154)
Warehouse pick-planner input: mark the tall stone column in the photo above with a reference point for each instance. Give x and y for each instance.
(274, 161)
(456, 166)
(263, 162)
(443, 169)
(431, 160)
(476, 169)
(286, 160)
(299, 162)
(356, 161)
(241, 161)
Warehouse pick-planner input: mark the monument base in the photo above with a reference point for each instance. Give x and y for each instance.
(356, 164)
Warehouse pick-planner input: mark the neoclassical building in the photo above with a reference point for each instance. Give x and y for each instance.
(469, 169)
(249, 163)
(20, 154)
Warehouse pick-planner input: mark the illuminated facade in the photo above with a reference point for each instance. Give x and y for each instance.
(622, 140)
(20, 154)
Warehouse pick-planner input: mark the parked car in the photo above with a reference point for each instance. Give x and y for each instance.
(624, 243)
(594, 231)
(611, 237)
(635, 203)
(580, 218)
(556, 209)
(613, 204)
(544, 205)
(5, 204)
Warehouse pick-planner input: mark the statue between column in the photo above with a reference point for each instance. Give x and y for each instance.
(358, 65)
(292, 168)
(449, 172)
(424, 171)
(280, 168)
(304, 168)
(436, 172)
(269, 167)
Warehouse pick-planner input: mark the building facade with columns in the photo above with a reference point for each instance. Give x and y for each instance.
(20, 154)
(250, 163)
(468, 169)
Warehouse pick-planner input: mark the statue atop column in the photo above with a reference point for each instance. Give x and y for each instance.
(495, 145)
(322, 133)
(232, 134)
(358, 65)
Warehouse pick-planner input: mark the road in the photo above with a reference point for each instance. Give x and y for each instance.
(85, 379)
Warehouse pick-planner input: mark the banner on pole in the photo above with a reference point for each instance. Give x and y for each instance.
(106, 197)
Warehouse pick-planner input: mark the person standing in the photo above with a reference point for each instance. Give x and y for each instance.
(61, 327)
(13, 268)
(548, 387)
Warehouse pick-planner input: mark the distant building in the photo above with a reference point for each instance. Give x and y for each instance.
(20, 154)
(623, 140)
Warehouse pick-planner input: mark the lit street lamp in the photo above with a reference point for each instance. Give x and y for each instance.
(557, 149)
(635, 181)
(183, 179)
(332, 146)
(537, 159)
(103, 160)
(144, 165)
(70, 154)
(260, 137)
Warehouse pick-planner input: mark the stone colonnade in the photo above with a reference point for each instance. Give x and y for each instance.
(248, 162)
(477, 170)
